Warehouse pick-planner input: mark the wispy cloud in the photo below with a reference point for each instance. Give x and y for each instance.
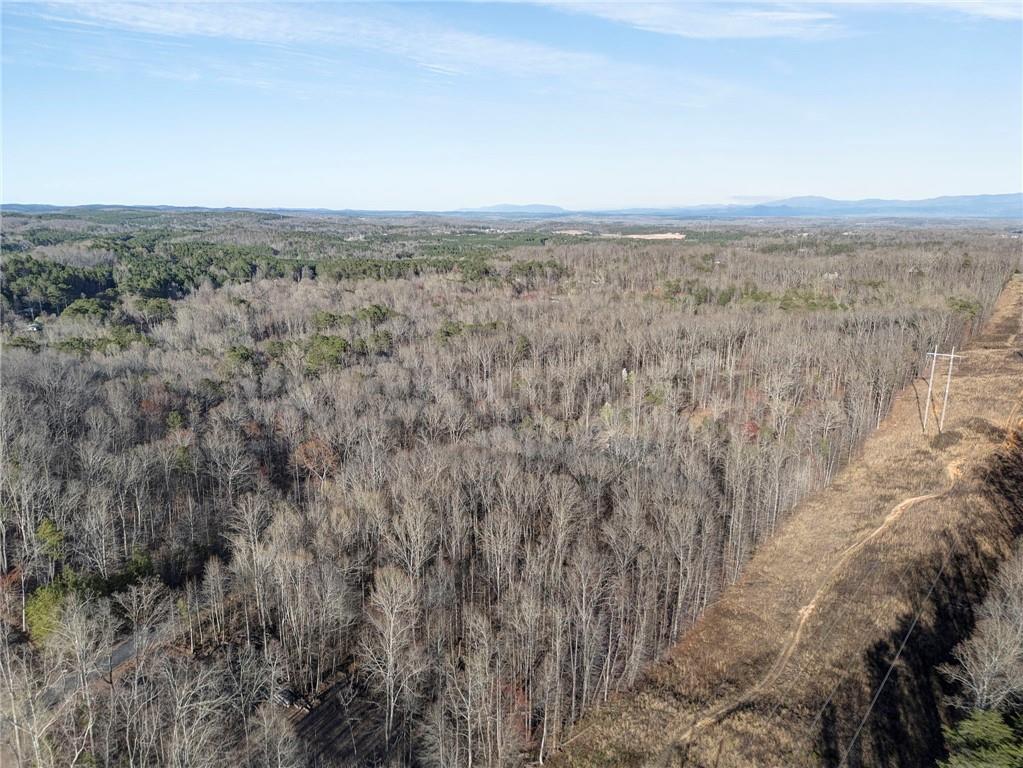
(712, 20)
(310, 46)
(398, 32)
(806, 19)
(1007, 10)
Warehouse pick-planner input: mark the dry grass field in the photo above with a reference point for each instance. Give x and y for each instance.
(823, 654)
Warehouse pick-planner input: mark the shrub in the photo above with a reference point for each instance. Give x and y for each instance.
(725, 296)
(374, 314)
(969, 307)
(983, 740)
(75, 345)
(23, 342)
(324, 352)
(752, 292)
(122, 337)
(522, 347)
(52, 538)
(240, 356)
(155, 310)
(475, 269)
(324, 320)
(381, 343)
(535, 269)
(135, 570)
(449, 328)
(277, 348)
(800, 298)
(90, 308)
(699, 294)
(42, 610)
(672, 287)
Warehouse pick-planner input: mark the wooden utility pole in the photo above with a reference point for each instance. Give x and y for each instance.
(952, 357)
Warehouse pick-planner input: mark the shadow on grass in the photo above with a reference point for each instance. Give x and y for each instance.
(902, 726)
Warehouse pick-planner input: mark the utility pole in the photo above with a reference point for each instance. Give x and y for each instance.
(948, 385)
(930, 385)
(951, 357)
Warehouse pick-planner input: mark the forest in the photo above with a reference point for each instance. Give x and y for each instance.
(283, 490)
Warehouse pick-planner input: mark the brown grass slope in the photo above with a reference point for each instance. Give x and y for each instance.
(824, 653)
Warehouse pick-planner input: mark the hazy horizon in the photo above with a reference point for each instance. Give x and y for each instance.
(738, 202)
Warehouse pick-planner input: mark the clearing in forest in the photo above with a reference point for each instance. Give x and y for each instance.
(824, 652)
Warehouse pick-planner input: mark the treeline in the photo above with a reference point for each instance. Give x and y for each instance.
(49, 261)
(149, 266)
(174, 269)
(48, 286)
(476, 506)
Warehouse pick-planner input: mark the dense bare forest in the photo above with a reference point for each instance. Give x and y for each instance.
(445, 485)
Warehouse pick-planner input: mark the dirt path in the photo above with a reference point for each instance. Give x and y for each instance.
(813, 638)
(954, 470)
(715, 715)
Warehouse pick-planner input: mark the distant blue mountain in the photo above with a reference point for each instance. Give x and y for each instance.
(964, 206)
(533, 208)
(1008, 206)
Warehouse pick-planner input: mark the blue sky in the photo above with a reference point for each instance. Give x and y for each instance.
(438, 106)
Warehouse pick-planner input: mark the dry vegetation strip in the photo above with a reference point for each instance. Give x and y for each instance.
(783, 668)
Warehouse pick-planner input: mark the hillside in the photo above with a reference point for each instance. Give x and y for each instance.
(823, 654)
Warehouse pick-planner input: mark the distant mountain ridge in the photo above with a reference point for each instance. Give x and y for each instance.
(1007, 206)
(505, 208)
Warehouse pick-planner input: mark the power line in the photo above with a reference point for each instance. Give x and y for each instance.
(898, 654)
(783, 699)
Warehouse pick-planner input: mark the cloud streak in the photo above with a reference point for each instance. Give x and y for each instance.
(406, 35)
(801, 19)
(309, 47)
(1005, 10)
(712, 21)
